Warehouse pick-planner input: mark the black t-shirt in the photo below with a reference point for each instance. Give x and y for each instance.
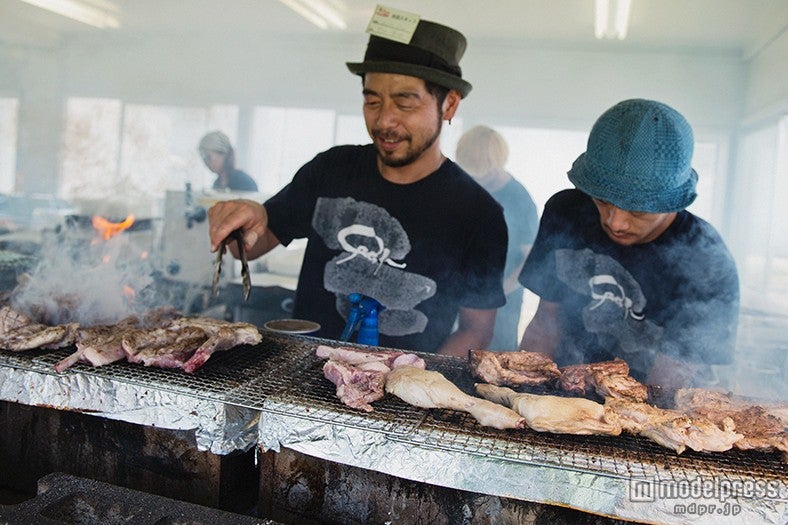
(678, 294)
(423, 250)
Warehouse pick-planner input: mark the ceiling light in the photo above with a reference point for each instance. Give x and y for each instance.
(97, 13)
(322, 13)
(612, 18)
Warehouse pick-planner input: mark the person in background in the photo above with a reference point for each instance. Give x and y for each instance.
(622, 269)
(394, 220)
(483, 153)
(219, 156)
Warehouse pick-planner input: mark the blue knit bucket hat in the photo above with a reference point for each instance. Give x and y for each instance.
(638, 158)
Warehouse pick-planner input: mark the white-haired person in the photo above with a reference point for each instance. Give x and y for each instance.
(621, 267)
(483, 153)
(219, 157)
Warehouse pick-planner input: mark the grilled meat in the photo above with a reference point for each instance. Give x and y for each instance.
(360, 375)
(618, 386)
(354, 356)
(605, 378)
(221, 336)
(562, 415)
(512, 368)
(18, 332)
(163, 347)
(431, 389)
(762, 430)
(574, 377)
(674, 429)
(99, 345)
(356, 387)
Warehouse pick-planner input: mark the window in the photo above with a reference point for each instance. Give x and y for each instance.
(135, 151)
(9, 115)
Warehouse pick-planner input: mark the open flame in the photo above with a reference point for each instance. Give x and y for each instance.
(107, 229)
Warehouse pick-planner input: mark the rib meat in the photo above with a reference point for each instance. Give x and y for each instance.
(222, 335)
(18, 332)
(562, 415)
(163, 347)
(431, 389)
(512, 368)
(99, 345)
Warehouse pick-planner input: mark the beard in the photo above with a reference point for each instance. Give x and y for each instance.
(412, 154)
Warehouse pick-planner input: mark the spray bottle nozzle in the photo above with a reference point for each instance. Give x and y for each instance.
(364, 317)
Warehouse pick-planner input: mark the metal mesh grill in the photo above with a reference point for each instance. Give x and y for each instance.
(284, 369)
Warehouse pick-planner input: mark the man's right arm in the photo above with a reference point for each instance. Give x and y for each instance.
(251, 217)
(543, 333)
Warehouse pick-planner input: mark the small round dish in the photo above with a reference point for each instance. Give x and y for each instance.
(292, 326)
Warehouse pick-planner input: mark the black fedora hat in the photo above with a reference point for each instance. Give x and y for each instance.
(433, 54)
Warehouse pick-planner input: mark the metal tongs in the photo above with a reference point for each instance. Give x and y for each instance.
(237, 236)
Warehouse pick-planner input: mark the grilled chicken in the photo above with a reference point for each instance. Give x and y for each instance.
(431, 389)
(512, 368)
(605, 378)
(762, 427)
(562, 415)
(674, 429)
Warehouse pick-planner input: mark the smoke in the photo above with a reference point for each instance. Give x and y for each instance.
(83, 278)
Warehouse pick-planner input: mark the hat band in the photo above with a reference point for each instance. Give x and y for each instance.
(381, 49)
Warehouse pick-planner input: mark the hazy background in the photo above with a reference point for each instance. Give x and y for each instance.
(108, 119)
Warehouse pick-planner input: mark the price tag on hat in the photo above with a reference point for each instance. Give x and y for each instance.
(393, 24)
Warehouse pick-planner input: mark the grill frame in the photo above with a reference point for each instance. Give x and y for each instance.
(283, 378)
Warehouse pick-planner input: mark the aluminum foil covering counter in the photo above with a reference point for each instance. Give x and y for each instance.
(624, 477)
(215, 401)
(275, 395)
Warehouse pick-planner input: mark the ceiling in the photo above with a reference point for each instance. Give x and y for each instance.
(731, 26)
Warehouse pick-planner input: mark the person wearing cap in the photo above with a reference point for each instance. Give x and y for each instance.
(394, 220)
(483, 153)
(219, 157)
(621, 267)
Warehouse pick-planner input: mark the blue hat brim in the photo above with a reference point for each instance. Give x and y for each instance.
(664, 201)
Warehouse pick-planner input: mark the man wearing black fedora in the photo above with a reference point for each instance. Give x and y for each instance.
(622, 269)
(394, 220)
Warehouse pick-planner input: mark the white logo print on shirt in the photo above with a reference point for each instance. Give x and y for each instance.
(621, 299)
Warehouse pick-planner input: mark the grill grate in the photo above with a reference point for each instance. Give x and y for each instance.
(285, 369)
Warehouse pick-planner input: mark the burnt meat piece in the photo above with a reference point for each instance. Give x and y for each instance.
(512, 368)
(18, 332)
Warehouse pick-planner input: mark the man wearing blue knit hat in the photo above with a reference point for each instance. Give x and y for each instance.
(620, 266)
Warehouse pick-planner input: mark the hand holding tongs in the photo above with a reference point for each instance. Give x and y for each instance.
(236, 236)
